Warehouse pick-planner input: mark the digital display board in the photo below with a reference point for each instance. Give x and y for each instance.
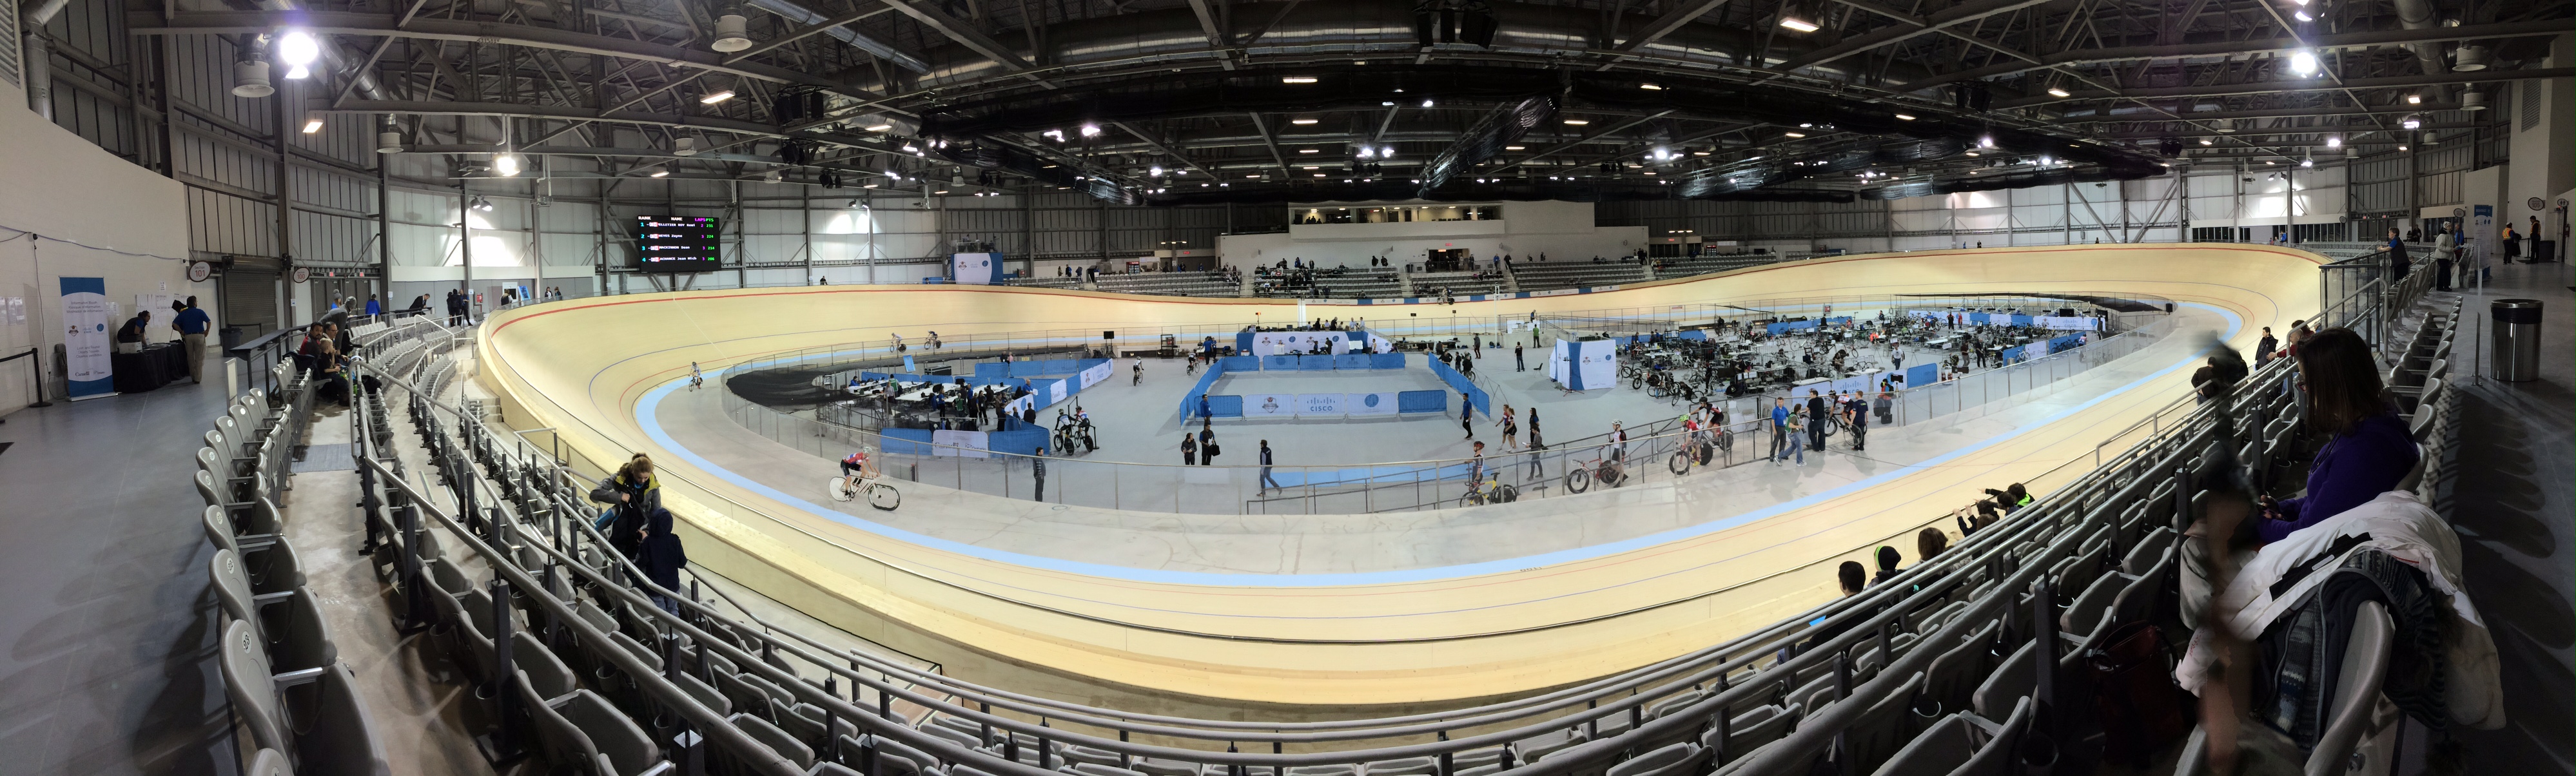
(676, 243)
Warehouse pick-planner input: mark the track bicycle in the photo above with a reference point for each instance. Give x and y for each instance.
(1580, 478)
(1489, 490)
(880, 495)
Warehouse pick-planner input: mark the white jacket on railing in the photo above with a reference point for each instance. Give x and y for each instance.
(2396, 523)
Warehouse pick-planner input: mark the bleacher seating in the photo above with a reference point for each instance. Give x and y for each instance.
(281, 669)
(1459, 284)
(1541, 276)
(1170, 283)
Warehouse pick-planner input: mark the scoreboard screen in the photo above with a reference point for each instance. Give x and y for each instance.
(676, 243)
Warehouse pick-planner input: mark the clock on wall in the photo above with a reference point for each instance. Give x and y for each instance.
(2537, 204)
(198, 271)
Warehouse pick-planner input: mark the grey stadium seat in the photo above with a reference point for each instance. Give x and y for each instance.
(267, 560)
(1962, 745)
(2356, 714)
(583, 731)
(325, 726)
(288, 624)
(1668, 760)
(1749, 731)
(777, 740)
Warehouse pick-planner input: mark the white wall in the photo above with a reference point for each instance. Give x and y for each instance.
(100, 216)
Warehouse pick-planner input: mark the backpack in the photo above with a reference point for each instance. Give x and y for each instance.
(2140, 707)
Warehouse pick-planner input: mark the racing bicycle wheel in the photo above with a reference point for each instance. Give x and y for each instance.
(1578, 480)
(838, 487)
(884, 496)
(1679, 463)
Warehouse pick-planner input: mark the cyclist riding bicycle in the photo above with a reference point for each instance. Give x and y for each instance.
(859, 463)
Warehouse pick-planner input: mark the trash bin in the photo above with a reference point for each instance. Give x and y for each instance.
(230, 336)
(2514, 339)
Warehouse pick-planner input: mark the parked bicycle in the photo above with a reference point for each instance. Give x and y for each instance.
(1580, 478)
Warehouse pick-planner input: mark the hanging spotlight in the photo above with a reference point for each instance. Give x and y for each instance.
(2412, 121)
(389, 142)
(482, 204)
(1155, 171)
(1090, 130)
(2333, 141)
(250, 78)
(298, 49)
(505, 164)
(2303, 63)
(2469, 100)
(2307, 162)
(1985, 141)
(2302, 15)
(686, 146)
(1426, 102)
(2414, 99)
(732, 31)
(2470, 59)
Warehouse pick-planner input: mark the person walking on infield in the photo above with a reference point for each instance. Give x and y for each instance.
(1815, 420)
(1207, 442)
(1779, 427)
(1511, 429)
(1518, 364)
(1267, 484)
(1467, 414)
(1797, 426)
(1189, 449)
(1037, 469)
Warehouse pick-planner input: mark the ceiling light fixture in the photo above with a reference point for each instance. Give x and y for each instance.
(2058, 92)
(312, 122)
(1576, 122)
(1298, 79)
(1515, 148)
(2334, 142)
(657, 172)
(1310, 150)
(1651, 87)
(1794, 134)
(2414, 99)
(716, 97)
(1796, 24)
(506, 164)
(2303, 62)
(2412, 121)
(732, 31)
(1090, 130)
(1903, 117)
(298, 49)
(1426, 102)
(1303, 122)
(2204, 141)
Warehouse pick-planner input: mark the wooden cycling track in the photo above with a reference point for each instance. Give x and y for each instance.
(581, 368)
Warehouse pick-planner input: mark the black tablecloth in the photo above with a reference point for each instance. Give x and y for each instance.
(156, 366)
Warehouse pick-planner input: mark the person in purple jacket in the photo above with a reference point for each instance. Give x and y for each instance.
(2367, 450)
